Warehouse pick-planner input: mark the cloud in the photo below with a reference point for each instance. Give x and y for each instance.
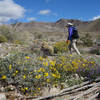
(96, 17)
(10, 10)
(44, 12)
(31, 19)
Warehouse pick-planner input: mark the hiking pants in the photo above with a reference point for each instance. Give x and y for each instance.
(73, 45)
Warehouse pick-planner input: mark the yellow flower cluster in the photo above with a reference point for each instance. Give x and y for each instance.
(46, 70)
(4, 77)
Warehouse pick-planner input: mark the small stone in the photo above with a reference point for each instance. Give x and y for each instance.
(2, 97)
(2, 89)
(10, 88)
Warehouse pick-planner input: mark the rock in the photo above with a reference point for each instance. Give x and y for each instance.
(2, 97)
(2, 89)
(10, 88)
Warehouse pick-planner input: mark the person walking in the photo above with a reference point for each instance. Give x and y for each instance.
(72, 37)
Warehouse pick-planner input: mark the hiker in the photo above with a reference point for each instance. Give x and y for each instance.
(72, 37)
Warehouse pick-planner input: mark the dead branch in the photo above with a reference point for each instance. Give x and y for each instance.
(86, 92)
(93, 97)
(84, 86)
(70, 92)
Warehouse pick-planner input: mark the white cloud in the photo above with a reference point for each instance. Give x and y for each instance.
(10, 10)
(96, 17)
(31, 19)
(44, 12)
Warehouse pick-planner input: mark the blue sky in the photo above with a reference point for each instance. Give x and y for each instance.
(50, 10)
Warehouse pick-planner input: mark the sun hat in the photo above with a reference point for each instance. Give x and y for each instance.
(69, 24)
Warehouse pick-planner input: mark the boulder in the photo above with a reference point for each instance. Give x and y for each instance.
(2, 97)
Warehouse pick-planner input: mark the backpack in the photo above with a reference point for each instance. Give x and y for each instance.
(75, 34)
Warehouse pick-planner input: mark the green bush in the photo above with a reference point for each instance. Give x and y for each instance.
(3, 39)
(60, 46)
(87, 41)
(4, 30)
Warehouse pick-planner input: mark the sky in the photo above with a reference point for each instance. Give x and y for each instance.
(48, 10)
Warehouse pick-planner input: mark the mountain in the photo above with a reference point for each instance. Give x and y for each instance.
(84, 26)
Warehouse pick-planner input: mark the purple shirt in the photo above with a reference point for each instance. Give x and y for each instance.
(70, 32)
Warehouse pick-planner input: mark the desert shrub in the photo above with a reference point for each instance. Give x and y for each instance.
(60, 46)
(87, 41)
(4, 30)
(47, 49)
(38, 35)
(17, 42)
(31, 73)
(3, 39)
(95, 51)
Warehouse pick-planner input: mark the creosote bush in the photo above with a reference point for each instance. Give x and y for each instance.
(3, 39)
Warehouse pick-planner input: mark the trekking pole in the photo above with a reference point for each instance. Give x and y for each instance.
(65, 33)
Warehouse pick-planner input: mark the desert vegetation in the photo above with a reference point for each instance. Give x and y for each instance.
(32, 61)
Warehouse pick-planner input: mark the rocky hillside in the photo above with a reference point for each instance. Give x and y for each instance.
(90, 26)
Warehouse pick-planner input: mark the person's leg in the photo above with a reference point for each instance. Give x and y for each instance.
(74, 47)
(70, 47)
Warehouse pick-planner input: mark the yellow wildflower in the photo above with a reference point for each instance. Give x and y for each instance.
(83, 65)
(4, 77)
(58, 76)
(24, 76)
(16, 71)
(79, 61)
(84, 60)
(64, 67)
(45, 63)
(54, 75)
(38, 76)
(38, 88)
(52, 63)
(41, 69)
(74, 63)
(40, 58)
(35, 94)
(27, 57)
(10, 66)
(70, 55)
(48, 80)
(45, 74)
(26, 88)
